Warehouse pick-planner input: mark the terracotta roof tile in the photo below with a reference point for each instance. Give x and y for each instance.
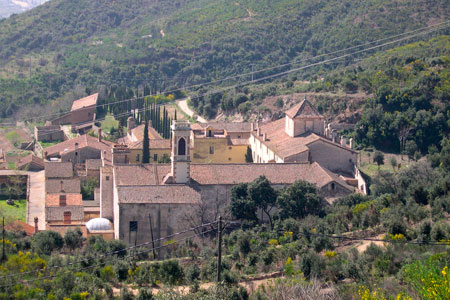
(148, 174)
(69, 185)
(226, 126)
(71, 200)
(138, 132)
(82, 141)
(58, 169)
(167, 194)
(285, 146)
(154, 144)
(303, 109)
(227, 174)
(30, 159)
(85, 102)
(18, 225)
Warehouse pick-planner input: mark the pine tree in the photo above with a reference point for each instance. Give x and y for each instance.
(146, 145)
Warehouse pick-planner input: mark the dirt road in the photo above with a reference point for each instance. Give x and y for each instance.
(183, 105)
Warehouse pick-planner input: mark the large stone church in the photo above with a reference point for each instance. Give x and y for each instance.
(168, 198)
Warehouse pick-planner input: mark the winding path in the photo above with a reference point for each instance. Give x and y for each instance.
(183, 105)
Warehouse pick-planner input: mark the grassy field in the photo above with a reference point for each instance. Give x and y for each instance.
(48, 144)
(109, 123)
(371, 169)
(13, 212)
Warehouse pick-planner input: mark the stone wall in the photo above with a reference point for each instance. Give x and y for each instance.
(333, 157)
(80, 155)
(166, 220)
(106, 193)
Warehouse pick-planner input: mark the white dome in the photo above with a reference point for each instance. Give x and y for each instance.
(98, 224)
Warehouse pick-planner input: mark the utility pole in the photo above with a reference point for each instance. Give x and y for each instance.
(219, 248)
(252, 71)
(151, 232)
(3, 240)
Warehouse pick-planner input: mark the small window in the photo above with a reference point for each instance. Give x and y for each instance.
(209, 133)
(211, 150)
(332, 186)
(62, 200)
(67, 217)
(138, 157)
(229, 148)
(239, 136)
(229, 158)
(107, 178)
(155, 157)
(133, 226)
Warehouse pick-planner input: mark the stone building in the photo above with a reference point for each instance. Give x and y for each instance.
(302, 136)
(82, 114)
(220, 142)
(79, 149)
(49, 133)
(176, 196)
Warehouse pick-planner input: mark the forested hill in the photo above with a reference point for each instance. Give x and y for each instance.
(84, 44)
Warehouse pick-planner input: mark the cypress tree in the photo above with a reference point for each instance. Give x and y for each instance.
(175, 115)
(248, 155)
(146, 145)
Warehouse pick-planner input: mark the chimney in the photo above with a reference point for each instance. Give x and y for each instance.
(264, 136)
(351, 143)
(36, 229)
(258, 131)
(252, 127)
(99, 135)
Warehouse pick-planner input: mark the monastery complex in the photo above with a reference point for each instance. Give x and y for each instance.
(190, 176)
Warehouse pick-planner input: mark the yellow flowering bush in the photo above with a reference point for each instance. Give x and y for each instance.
(329, 254)
(364, 293)
(430, 279)
(273, 242)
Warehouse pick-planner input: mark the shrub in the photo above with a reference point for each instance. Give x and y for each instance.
(47, 241)
(74, 239)
(171, 272)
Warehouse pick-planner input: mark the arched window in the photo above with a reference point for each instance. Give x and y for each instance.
(182, 147)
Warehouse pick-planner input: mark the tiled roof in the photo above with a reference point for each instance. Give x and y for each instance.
(149, 174)
(227, 126)
(85, 102)
(30, 159)
(303, 109)
(71, 185)
(71, 200)
(18, 225)
(138, 133)
(285, 146)
(153, 144)
(227, 174)
(82, 141)
(58, 169)
(167, 194)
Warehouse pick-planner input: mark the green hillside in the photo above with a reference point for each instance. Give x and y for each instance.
(74, 45)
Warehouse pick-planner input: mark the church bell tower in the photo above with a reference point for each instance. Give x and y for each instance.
(180, 156)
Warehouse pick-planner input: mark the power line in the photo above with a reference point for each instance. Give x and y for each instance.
(283, 73)
(110, 253)
(102, 263)
(436, 27)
